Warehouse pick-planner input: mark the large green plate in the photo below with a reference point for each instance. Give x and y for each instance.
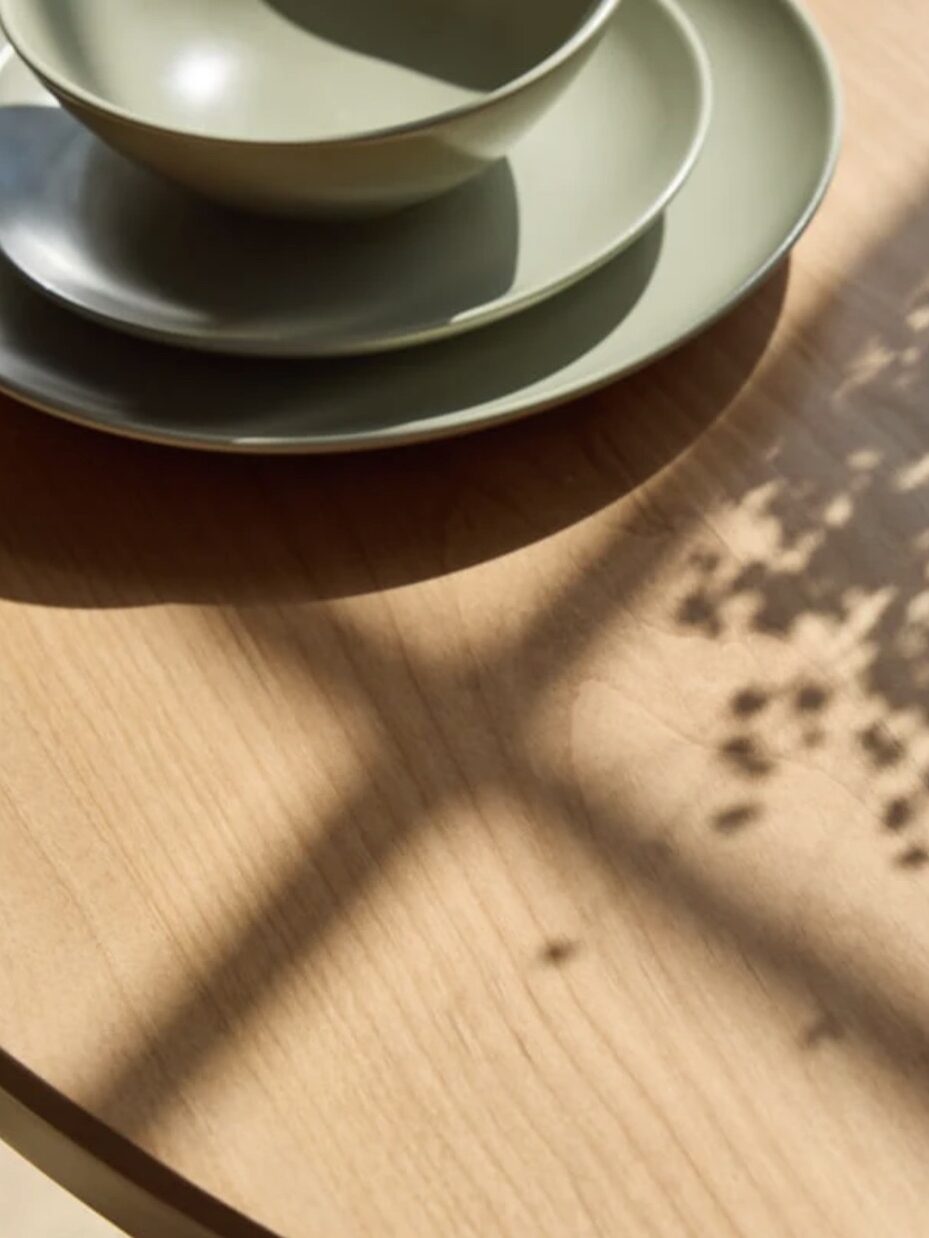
(767, 161)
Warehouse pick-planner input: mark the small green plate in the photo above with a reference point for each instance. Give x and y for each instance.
(768, 158)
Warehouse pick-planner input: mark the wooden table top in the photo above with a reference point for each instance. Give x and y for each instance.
(527, 834)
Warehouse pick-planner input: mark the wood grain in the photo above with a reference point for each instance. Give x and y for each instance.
(523, 835)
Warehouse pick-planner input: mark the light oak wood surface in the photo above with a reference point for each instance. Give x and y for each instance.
(525, 835)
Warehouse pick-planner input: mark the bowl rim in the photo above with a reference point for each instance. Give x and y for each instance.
(601, 12)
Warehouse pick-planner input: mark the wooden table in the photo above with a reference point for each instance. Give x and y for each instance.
(524, 835)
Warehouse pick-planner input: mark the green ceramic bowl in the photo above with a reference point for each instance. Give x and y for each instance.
(308, 107)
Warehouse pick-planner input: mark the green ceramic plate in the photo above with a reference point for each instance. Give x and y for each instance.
(118, 244)
(767, 161)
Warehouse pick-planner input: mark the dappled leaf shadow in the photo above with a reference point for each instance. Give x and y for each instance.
(844, 523)
(731, 820)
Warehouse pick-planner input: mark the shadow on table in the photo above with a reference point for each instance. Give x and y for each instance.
(87, 520)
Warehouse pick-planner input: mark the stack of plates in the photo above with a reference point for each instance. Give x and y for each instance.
(677, 169)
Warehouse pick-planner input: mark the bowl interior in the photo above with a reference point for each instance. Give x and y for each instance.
(290, 70)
